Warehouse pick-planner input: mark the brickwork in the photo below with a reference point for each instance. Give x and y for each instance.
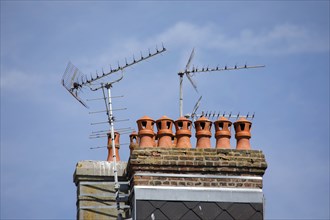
(197, 182)
(211, 163)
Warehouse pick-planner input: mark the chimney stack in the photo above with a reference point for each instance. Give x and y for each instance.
(183, 132)
(117, 146)
(222, 133)
(146, 131)
(167, 181)
(203, 132)
(243, 134)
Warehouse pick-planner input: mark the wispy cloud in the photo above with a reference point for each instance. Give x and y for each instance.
(278, 40)
(281, 39)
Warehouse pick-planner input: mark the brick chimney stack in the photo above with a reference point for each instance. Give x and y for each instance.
(177, 182)
(222, 128)
(203, 132)
(165, 133)
(146, 132)
(243, 134)
(117, 146)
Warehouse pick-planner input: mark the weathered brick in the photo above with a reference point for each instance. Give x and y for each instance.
(173, 183)
(170, 157)
(182, 183)
(198, 158)
(209, 163)
(199, 161)
(223, 184)
(158, 183)
(190, 183)
(166, 183)
(181, 163)
(212, 158)
(214, 184)
(185, 158)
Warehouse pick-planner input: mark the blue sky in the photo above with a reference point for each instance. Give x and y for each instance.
(44, 131)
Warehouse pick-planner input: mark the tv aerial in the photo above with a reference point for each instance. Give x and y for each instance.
(215, 115)
(189, 73)
(74, 81)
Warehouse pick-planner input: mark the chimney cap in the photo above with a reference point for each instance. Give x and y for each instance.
(183, 119)
(222, 118)
(202, 119)
(164, 117)
(243, 119)
(145, 118)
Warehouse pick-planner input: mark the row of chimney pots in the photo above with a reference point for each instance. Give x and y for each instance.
(146, 137)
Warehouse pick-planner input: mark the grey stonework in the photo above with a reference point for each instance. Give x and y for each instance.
(96, 190)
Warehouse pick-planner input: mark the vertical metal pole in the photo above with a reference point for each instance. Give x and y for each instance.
(111, 122)
(112, 134)
(181, 95)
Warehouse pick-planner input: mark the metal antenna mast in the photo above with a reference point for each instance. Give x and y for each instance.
(189, 73)
(112, 130)
(74, 81)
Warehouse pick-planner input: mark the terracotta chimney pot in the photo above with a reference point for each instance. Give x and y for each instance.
(117, 146)
(165, 133)
(155, 139)
(203, 132)
(174, 140)
(134, 141)
(146, 131)
(243, 134)
(183, 132)
(222, 133)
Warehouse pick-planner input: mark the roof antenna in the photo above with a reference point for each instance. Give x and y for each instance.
(70, 81)
(187, 72)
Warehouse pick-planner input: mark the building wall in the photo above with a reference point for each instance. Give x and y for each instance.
(176, 183)
(96, 194)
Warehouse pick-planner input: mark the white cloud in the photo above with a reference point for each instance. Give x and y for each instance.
(278, 40)
(282, 39)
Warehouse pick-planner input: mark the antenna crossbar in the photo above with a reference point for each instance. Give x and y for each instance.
(219, 114)
(117, 109)
(196, 70)
(92, 148)
(96, 99)
(120, 68)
